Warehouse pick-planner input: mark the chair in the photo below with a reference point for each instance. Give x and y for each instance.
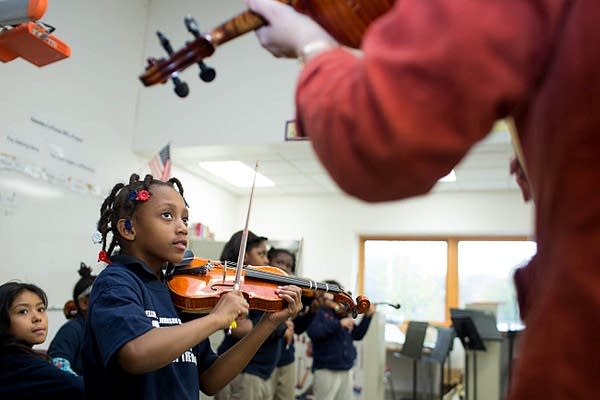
(439, 354)
(413, 347)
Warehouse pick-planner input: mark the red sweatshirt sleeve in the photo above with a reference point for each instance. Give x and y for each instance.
(433, 77)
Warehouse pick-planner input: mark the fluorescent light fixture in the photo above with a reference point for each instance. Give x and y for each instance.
(236, 173)
(451, 177)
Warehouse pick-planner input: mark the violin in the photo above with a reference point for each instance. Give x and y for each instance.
(196, 284)
(345, 20)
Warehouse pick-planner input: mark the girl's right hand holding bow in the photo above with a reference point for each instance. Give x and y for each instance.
(231, 306)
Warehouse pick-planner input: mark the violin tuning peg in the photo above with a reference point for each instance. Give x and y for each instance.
(207, 74)
(192, 25)
(181, 88)
(164, 42)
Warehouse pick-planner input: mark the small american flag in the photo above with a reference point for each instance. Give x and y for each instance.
(160, 165)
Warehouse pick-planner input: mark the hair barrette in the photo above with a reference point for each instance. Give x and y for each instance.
(139, 195)
(97, 237)
(103, 256)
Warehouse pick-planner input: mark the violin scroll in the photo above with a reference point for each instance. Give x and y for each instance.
(361, 305)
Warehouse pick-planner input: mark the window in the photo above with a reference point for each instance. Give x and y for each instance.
(423, 274)
(485, 270)
(409, 272)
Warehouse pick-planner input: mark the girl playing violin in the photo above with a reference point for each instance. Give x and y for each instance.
(253, 383)
(125, 355)
(24, 372)
(332, 334)
(283, 379)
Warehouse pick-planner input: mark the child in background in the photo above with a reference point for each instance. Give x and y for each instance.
(283, 379)
(65, 348)
(333, 351)
(24, 372)
(125, 354)
(253, 383)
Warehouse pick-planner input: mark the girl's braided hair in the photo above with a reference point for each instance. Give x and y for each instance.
(122, 202)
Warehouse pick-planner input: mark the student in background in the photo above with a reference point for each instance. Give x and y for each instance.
(65, 348)
(332, 335)
(283, 379)
(24, 372)
(253, 383)
(136, 345)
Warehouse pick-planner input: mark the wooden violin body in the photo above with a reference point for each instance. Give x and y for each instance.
(345, 20)
(197, 286)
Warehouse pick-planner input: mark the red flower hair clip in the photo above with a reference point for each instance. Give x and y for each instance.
(139, 195)
(142, 195)
(103, 256)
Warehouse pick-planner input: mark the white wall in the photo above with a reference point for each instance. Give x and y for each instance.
(45, 232)
(330, 225)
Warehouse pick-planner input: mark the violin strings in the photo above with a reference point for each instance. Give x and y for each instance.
(291, 280)
(283, 279)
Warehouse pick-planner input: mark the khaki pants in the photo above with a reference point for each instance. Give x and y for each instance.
(283, 382)
(332, 385)
(246, 387)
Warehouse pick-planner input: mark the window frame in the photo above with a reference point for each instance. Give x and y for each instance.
(452, 285)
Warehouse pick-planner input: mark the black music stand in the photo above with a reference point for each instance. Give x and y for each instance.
(413, 347)
(472, 342)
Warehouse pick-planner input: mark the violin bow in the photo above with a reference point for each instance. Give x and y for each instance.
(385, 303)
(242, 253)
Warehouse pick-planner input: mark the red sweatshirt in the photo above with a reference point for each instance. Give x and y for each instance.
(433, 78)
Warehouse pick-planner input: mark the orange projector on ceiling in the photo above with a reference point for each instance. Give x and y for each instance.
(22, 36)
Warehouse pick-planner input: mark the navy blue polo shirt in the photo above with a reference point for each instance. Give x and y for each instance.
(128, 300)
(265, 360)
(67, 343)
(332, 344)
(288, 353)
(26, 376)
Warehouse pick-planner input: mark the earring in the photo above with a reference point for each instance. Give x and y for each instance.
(128, 224)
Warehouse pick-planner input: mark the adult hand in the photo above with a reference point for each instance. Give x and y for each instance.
(288, 32)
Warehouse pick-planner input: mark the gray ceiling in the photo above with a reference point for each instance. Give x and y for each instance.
(295, 169)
